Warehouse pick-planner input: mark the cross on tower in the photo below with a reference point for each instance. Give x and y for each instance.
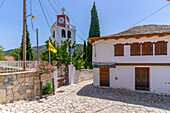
(63, 9)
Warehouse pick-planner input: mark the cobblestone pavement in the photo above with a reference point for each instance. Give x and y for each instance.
(84, 97)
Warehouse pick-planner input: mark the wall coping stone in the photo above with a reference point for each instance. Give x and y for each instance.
(15, 73)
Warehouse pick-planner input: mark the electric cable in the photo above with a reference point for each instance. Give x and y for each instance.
(2, 3)
(44, 14)
(149, 15)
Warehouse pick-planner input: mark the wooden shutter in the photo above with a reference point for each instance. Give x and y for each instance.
(119, 50)
(161, 48)
(147, 48)
(135, 49)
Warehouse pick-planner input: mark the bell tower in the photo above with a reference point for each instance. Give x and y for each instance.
(62, 29)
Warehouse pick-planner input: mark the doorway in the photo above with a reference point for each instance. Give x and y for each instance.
(104, 77)
(142, 78)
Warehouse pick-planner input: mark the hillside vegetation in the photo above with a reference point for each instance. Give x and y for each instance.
(79, 47)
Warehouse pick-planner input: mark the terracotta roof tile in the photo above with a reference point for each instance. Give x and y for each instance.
(9, 58)
(145, 29)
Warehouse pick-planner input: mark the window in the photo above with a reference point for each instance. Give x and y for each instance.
(135, 49)
(69, 34)
(63, 33)
(119, 50)
(161, 48)
(147, 48)
(54, 34)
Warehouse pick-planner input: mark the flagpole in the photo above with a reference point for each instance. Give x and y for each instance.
(51, 48)
(49, 57)
(49, 52)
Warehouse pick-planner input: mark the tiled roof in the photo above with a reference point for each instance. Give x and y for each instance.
(145, 29)
(9, 58)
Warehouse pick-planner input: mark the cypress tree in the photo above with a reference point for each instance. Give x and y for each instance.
(94, 32)
(84, 50)
(29, 51)
(85, 54)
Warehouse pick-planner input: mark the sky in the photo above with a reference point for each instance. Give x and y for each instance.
(114, 16)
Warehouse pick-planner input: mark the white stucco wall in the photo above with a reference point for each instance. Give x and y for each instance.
(159, 78)
(58, 38)
(125, 77)
(96, 77)
(104, 51)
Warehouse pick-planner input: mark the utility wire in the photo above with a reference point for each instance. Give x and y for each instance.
(149, 15)
(44, 14)
(56, 4)
(31, 14)
(48, 22)
(47, 11)
(73, 32)
(52, 6)
(2, 3)
(71, 18)
(47, 18)
(79, 37)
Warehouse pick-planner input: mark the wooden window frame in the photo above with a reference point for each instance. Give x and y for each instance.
(133, 49)
(147, 51)
(117, 49)
(158, 50)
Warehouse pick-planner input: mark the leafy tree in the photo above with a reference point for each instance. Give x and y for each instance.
(77, 60)
(63, 56)
(45, 55)
(29, 51)
(34, 52)
(1, 54)
(94, 32)
(16, 53)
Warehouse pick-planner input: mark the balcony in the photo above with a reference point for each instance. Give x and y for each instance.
(64, 25)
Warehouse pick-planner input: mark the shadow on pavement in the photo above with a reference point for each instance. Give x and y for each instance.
(127, 96)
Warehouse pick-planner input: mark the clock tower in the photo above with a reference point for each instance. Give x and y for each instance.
(62, 29)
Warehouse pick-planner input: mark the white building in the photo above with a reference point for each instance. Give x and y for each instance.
(62, 29)
(136, 59)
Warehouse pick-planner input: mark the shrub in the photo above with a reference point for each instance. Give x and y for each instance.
(48, 89)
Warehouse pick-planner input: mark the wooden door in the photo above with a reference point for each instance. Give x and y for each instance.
(142, 78)
(104, 77)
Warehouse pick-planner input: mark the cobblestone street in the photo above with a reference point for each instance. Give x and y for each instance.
(84, 97)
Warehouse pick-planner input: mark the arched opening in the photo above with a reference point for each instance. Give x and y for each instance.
(69, 34)
(53, 34)
(63, 33)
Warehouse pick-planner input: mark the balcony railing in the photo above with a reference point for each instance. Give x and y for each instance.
(15, 66)
(64, 25)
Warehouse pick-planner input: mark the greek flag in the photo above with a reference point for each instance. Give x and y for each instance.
(71, 51)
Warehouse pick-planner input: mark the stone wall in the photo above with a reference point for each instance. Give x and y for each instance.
(83, 75)
(18, 86)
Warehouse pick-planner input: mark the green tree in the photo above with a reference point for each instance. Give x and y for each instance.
(45, 55)
(94, 32)
(29, 51)
(63, 56)
(16, 54)
(1, 54)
